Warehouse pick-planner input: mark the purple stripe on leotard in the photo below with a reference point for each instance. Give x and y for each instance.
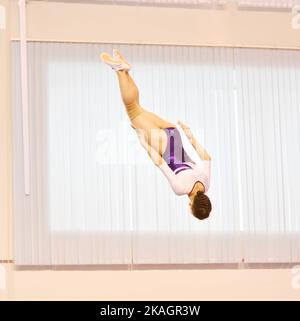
(175, 155)
(172, 160)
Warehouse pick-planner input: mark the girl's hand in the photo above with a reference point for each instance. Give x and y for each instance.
(186, 129)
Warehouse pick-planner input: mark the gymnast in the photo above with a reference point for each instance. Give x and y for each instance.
(161, 139)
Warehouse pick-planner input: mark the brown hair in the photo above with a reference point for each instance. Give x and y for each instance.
(201, 206)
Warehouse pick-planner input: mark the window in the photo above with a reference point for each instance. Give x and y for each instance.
(97, 199)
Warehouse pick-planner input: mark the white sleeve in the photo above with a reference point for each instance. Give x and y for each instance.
(172, 179)
(206, 164)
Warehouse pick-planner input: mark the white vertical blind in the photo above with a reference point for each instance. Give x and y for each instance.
(268, 91)
(194, 85)
(98, 199)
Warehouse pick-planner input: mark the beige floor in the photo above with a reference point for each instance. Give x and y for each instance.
(251, 284)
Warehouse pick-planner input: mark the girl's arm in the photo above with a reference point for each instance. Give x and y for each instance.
(199, 149)
(154, 155)
(163, 166)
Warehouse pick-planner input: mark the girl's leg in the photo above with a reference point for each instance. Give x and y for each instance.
(130, 96)
(160, 122)
(149, 123)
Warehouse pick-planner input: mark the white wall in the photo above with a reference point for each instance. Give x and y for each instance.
(152, 285)
(5, 139)
(162, 25)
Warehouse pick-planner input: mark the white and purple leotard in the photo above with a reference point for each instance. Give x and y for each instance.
(175, 155)
(181, 172)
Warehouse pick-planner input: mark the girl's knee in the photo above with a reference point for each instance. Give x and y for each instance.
(133, 110)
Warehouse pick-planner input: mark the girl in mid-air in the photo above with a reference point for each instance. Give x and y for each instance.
(162, 141)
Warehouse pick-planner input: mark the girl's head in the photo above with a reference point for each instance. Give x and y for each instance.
(200, 205)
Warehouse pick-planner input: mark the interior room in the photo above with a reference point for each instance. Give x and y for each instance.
(84, 214)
